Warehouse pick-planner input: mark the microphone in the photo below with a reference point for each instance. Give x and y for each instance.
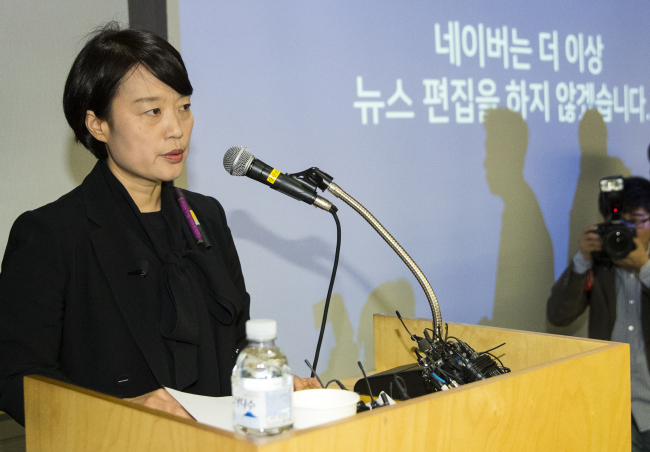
(239, 161)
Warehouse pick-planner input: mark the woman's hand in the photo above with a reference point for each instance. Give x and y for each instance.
(305, 383)
(161, 400)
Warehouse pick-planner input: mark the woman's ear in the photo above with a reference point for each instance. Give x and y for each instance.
(98, 128)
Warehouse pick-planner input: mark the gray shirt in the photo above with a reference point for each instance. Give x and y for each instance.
(628, 328)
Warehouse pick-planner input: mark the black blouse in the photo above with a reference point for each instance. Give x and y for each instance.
(182, 281)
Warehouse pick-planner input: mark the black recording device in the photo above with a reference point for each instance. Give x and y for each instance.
(442, 364)
(617, 234)
(451, 362)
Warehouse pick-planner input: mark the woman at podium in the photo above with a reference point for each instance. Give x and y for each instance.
(126, 284)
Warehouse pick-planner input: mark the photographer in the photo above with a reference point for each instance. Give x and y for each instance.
(618, 294)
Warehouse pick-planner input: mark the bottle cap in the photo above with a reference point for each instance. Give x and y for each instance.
(261, 329)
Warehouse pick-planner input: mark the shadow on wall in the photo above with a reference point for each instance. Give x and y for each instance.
(80, 160)
(525, 272)
(311, 253)
(594, 165)
(389, 297)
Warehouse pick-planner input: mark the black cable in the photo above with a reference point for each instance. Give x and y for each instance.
(373, 402)
(329, 291)
(447, 375)
(493, 356)
(314, 374)
(444, 341)
(338, 383)
(401, 387)
(493, 348)
(413, 338)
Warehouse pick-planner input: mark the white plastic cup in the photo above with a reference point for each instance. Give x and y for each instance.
(313, 407)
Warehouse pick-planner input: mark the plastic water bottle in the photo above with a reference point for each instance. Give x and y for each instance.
(262, 383)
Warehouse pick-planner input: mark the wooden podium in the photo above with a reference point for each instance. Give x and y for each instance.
(564, 394)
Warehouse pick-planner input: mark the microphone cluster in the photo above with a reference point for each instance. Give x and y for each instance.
(449, 362)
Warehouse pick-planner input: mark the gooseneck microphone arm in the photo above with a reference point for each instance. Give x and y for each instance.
(445, 363)
(424, 283)
(239, 161)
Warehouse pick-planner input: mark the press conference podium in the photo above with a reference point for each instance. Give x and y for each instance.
(563, 394)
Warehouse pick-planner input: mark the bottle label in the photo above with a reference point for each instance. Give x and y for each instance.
(263, 403)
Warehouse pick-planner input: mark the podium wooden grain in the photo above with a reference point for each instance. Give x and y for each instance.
(564, 394)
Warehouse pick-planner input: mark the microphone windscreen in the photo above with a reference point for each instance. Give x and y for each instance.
(237, 160)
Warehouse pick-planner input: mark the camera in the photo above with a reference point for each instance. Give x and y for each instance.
(617, 234)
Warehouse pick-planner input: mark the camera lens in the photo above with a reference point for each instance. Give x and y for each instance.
(617, 242)
(618, 238)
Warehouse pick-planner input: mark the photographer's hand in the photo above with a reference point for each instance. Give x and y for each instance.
(637, 257)
(589, 242)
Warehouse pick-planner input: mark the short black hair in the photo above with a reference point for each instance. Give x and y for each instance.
(636, 193)
(98, 70)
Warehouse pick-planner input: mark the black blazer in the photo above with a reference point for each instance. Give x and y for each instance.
(569, 299)
(72, 306)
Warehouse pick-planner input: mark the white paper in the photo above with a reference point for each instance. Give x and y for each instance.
(213, 411)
